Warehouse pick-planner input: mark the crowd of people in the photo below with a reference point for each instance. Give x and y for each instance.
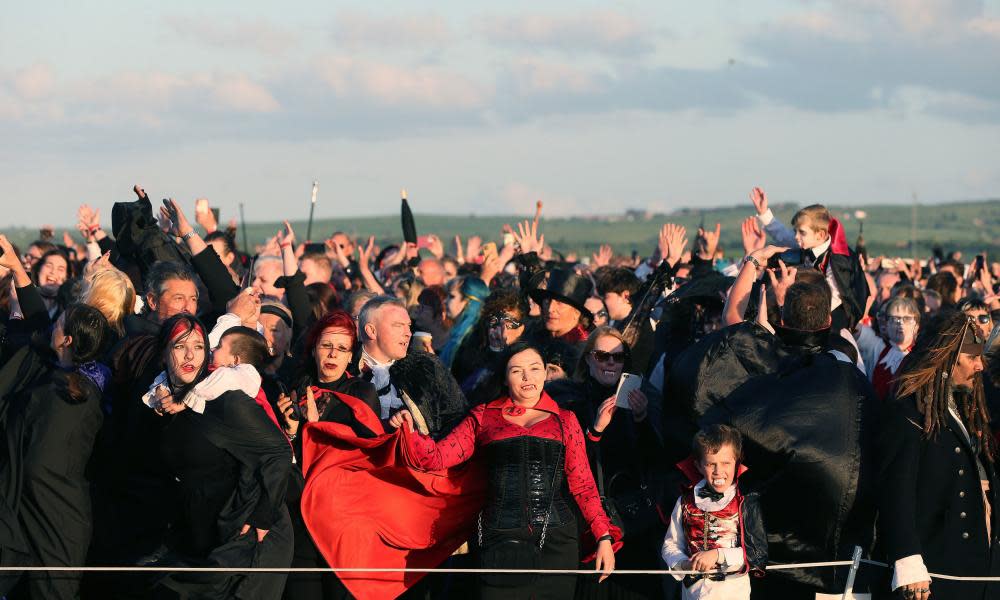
(169, 400)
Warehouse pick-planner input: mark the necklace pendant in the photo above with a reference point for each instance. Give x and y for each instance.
(514, 411)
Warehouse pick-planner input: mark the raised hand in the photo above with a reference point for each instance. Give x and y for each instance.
(172, 213)
(527, 237)
(781, 283)
(365, 254)
(604, 413)
(435, 246)
(286, 236)
(603, 256)
(472, 247)
(673, 240)
(205, 218)
(459, 250)
(139, 192)
(753, 237)
(759, 199)
(287, 408)
(711, 239)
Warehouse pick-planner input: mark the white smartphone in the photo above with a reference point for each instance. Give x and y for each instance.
(626, 384)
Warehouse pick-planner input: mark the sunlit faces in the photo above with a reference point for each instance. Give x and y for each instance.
(901, 328)
(719, 468)
(504, 329)
(607, 360)
(560, 318)
(178, 296)
(52, 272)
(526, 376)
(332, 353)
(276, 332)
(60, 342)
(456, 302)
(983, 321)
(389, 333)
(966, 368)
(186, 357)
(223, 355)
(619, 305)
(596, 308)
(807, 237)
(265, 274)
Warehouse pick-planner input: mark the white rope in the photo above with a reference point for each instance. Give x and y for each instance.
(774, 567)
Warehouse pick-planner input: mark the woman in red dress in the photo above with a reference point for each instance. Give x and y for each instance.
(536, 465)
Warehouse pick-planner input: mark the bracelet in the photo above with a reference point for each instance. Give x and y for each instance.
(593, 435)
(188, 235)
(607, 537)
(285, 244)
(750, 259)
(292, 436)
(94, 228)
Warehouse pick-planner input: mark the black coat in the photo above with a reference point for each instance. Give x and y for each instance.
(231, 466)
(45, 509)
(429, 384)
(808, 433)
(930, 502)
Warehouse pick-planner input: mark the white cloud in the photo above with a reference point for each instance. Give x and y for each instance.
(391, 85)
(606, 31)
(232, 33)
(33, 82)
(354, 30)
(535, 76)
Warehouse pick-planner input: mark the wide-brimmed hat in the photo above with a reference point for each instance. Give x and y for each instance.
(567, 287)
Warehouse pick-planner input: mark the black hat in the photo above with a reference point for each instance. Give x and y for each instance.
(565, 286)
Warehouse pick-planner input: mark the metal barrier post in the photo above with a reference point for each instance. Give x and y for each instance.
(855, 561)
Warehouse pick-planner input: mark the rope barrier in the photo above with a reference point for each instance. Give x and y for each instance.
(173, 569)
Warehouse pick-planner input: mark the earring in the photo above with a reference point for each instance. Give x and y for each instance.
(944, 374)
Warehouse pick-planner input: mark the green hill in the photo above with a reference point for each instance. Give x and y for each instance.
(967, 226)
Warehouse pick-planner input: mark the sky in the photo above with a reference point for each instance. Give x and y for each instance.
(592, 107)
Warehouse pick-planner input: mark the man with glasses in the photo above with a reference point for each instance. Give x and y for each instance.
(980, 313)
(883, 355)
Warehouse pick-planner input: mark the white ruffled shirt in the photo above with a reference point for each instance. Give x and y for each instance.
(244, 378)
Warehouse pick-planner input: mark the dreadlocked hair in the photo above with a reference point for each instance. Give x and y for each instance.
(926, 373)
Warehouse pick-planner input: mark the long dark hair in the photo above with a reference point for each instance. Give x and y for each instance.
(178, 327)
(926, 374)
(90, 332)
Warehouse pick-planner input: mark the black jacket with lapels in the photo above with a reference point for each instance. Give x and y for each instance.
(931, 502)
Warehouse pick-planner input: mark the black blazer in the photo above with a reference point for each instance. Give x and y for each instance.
(930, 502)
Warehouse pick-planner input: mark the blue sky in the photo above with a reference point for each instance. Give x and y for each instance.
(483, 108)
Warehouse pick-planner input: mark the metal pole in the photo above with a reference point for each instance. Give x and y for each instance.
(849, 588)
(312, 208)
(243, 228)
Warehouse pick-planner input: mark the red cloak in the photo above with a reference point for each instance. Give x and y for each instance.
(365, 507)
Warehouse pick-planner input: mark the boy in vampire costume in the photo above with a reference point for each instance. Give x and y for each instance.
(792, 400)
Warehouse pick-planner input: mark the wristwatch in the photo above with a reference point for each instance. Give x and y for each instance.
(750, 259)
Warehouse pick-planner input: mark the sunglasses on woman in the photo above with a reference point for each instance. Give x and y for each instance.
(983, 319)
(602, 356)
(508, 322)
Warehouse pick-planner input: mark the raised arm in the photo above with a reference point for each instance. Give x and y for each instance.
(783, 236)
(453, 449)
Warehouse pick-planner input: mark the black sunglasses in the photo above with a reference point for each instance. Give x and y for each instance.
(983, 319)
(602, 356)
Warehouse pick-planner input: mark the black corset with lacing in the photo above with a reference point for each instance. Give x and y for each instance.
(522, 472)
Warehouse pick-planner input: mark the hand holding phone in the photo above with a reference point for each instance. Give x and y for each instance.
(628, 382)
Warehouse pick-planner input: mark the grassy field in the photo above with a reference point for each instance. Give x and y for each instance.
(968, 226)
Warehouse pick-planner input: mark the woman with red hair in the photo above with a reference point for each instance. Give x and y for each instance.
(336, 397)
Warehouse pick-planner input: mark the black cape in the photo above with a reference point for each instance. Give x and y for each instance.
(45, 509)
(809, 432)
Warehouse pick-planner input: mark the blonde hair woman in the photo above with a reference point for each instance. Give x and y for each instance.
(111, 292)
